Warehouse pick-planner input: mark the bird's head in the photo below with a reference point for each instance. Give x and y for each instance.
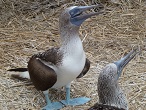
(75, 15)
(113, 71)
(108, 88)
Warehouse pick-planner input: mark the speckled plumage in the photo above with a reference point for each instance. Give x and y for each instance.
(108, 88)
(111, 97)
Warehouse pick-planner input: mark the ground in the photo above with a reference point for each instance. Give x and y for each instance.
(27, 27)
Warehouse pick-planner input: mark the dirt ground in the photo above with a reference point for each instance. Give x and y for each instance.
(28, 27)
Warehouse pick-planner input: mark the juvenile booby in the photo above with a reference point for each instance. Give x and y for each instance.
(111, 97)
(57, 67)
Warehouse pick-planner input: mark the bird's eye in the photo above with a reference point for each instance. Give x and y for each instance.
(72, 13)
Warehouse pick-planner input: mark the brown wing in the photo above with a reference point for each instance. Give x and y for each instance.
(52, 55)
(42, 76)
(104, 107)
(86, 68)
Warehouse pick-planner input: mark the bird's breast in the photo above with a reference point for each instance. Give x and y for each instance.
(70, 68)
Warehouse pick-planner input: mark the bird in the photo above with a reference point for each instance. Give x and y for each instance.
(58, 67)
(111, 97)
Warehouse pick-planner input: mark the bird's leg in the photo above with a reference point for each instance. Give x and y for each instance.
(74, 101)
(68, 93)
(51, 105)
(47, 97)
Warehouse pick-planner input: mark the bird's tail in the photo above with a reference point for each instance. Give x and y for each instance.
(19, 73)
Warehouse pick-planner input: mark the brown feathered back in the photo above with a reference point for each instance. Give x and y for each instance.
(104, 107)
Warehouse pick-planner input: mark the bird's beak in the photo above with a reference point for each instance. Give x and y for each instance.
(78, 15)
(85, 8)
(124, 61)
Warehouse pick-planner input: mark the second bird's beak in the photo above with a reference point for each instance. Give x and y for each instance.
(124, 61)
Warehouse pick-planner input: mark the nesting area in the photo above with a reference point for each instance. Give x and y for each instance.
(31, 26)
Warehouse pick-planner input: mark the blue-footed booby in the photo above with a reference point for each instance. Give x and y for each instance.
(57, 67)
(111, 97)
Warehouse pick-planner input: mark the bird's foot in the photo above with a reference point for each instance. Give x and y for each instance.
(53, 106)
(76, 101)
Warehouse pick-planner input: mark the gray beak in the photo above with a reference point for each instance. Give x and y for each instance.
(77, 16)
(124, 61)
(84, 8)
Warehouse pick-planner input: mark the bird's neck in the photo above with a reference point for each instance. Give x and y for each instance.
(113, 96)
(70, 39)
(69, 34)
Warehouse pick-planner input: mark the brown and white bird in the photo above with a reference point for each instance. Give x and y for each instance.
(57, 67)
(111, 97)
